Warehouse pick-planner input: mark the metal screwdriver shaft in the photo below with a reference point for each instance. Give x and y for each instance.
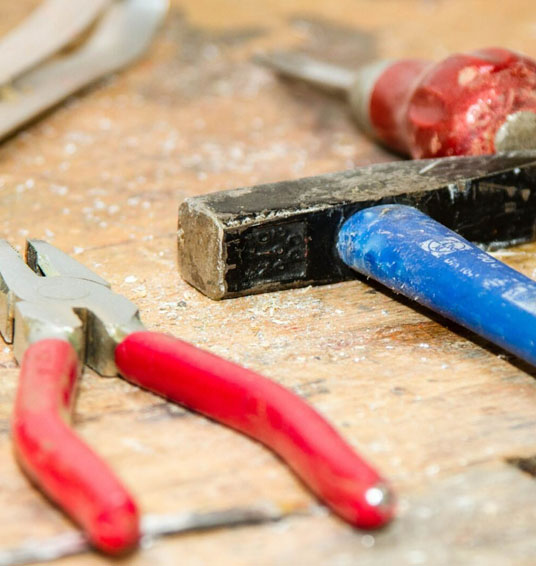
(73, 543)
(318, 73)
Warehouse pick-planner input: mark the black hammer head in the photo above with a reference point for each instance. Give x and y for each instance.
(283, 235)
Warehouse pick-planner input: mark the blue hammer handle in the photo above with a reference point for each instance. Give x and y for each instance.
(416, 256)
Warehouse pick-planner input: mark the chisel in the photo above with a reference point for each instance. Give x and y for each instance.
(473, 103)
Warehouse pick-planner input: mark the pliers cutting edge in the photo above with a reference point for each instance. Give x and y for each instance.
(60, 314)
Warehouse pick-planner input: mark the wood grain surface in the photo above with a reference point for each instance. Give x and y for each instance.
(438, 410)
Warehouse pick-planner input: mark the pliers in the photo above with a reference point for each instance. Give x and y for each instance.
(60, 315)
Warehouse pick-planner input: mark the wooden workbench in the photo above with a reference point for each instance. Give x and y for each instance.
(440, 412)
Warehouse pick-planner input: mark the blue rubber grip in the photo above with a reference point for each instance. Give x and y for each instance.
(416, 256)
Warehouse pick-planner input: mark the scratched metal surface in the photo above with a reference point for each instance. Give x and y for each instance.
(436, 409)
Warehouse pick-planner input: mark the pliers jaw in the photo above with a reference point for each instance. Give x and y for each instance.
(54, 296)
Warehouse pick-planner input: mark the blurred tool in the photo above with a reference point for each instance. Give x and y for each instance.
(285, 235)
(51, 26)
(58, 313)
(474, 103)
(73, 543)
(121, 35)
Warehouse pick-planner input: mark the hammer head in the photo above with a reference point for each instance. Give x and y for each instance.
(282, 235)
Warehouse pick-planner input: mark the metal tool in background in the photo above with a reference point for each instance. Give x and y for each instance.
(59, 313)
(152, 527)
(473, 103)
(53, 25)
(285, 234)
(121, 35)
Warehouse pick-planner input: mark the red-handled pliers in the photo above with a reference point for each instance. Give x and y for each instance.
(59, 313)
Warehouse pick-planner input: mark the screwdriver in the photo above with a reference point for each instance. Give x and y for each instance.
(474, 103)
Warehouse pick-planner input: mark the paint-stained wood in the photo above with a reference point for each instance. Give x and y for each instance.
(439, 411)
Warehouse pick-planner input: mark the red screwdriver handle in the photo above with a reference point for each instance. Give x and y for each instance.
(57, 460)
(454, 107)
(265, 411)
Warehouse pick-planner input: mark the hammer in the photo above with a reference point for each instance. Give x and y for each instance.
(418, 227)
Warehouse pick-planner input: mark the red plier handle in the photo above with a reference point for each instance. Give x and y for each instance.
(57, 460)
(83, 485)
